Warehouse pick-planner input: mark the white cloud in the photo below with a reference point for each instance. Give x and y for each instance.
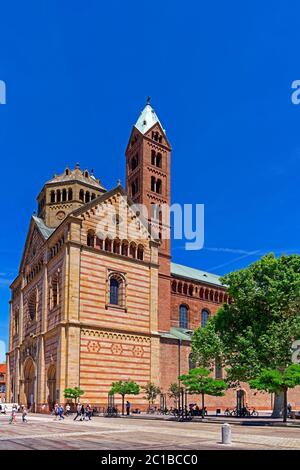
(2, 351)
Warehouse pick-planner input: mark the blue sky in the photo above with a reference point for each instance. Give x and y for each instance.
(219, 75)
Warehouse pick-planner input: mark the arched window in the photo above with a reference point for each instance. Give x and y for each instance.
(206, 294)
(87, 197)
(221, 298)
(91, 238)
(174, 286)
(64, 195)
(158, 186)
(116, 290)
(191, 289)
(93, 196)
(201, 293)
(54, 291)
(134, 162)
(158, 160)
(70, 194)
(153, 183)
(140, 252)
(192, 364)
(107, 244)
(99, 243)
(183, 316)
(58, 195)
(204, 317)
(153, 157)
(81, 195)
(134, 187)
(216, 296)
(33, 305)
(116, 246)
(132, 250)
(52, 196)
(185, 289)
(16, 322)
(180, 288)
(124, 248)
(211, 295)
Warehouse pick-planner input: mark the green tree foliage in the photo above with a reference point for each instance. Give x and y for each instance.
(174, 392)
(73, 393)
(256, 330)
(123, 388)
(197, 381)
(151, 392)
(275, 381)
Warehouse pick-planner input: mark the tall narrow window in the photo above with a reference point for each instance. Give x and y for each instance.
(114, 291)
(58, 196)
(140, 252)
(158, 186)
(91, 238)
(54, 291)
(33, 305)
(52, 196)
(64, 195)
(183, 316)
(152, 183)
(81, 195)
(70, 194)
(158, 160)
(204, 317)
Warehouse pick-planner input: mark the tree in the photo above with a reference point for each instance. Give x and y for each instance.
(274, 381)
(197, 381)
(123, 388)
(256, 330)
(73, 393)
(174, 392)
(151, 391)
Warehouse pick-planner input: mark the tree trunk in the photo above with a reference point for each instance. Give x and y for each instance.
(285, 406)
(123, 403)
(202, 413)
(278, 405)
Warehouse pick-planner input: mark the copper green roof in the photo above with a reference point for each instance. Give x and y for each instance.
(45, 231)
(147, 119)
(178, 333)
(185, 272)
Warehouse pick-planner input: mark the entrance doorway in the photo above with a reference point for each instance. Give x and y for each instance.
(29, 382)
(51, 382)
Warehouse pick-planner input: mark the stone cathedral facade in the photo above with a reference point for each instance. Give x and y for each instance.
(88, 309)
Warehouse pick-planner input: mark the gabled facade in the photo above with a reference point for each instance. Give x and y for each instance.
(98, 298)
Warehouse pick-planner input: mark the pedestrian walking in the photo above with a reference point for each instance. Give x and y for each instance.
(82, 413)
(61, 412)
(88, 412)
(128, 405)
(24, 414)
(78, 411)
(68, 409)
(13, 416)
(55, 411)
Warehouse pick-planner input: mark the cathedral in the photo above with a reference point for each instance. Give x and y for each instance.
(88, 308)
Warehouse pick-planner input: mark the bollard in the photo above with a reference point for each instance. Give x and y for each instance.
(226, 433)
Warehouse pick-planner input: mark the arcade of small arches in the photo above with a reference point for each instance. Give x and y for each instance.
(56, 248)
(156, 185)
(116, 246)
(191, 290)
(66, 195)
(34, 271)
(156, 159)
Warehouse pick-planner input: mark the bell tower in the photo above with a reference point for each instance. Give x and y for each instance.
(148, 156)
